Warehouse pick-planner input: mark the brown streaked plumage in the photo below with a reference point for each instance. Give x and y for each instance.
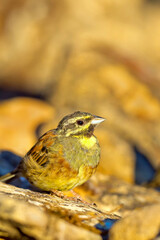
(63, 158)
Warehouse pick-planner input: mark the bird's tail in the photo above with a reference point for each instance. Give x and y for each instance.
(8, 176)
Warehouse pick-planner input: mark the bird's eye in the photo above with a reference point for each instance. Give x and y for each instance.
(80, 122)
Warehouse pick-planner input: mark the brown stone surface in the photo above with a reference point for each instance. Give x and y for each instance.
(34, 214)
(117, 157)
(19, 219)
(19, 119)
(37, 215)
(38, 38)
(141, 224)
(112, 194)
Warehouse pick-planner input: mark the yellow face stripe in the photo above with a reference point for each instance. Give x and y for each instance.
(73, 120)
(77, 130)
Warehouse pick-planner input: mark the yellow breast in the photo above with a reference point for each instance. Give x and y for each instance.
(88, 142)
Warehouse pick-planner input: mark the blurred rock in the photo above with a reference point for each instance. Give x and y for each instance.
(19, 120)
(114, 195)
(141, 224)
(43, 36)
(39, 216)
(48, 214)
(19, 219)
(117, 156)
(111, 91)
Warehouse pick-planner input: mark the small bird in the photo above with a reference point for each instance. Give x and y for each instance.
(62, 158)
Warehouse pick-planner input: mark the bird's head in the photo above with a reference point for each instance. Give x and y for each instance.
(78, 123)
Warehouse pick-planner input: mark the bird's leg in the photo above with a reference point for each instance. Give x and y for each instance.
(76, 198)
(79, 198)
(64, 195)
(58, 193)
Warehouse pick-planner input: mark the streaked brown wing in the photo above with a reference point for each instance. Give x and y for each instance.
(39, 152)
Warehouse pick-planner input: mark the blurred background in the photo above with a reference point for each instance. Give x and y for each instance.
(99, 56)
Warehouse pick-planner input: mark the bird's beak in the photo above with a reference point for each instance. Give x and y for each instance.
(97, 120)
